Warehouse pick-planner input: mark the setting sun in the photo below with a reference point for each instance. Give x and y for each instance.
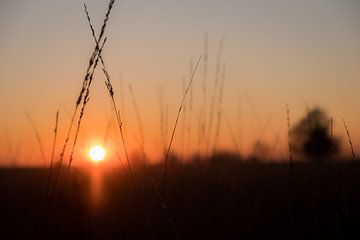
(97, 153)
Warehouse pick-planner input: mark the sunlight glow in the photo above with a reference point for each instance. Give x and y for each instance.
(97, 153)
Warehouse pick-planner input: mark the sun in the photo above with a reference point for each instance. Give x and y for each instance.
(97, 153)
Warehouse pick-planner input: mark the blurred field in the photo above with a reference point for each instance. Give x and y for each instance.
(223, 198)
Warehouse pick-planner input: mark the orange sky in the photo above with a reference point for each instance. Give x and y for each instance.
(275, 52)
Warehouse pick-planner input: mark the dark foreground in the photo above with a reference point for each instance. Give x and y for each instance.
(222, 199)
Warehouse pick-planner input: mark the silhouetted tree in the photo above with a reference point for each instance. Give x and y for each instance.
(312, 137)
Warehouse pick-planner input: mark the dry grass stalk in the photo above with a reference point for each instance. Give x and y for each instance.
(163, 132)
(239, 117)
(163, 172)
(214, 96)
(203, 109)
(90, 74)
(289, 142)
(84, 103)
(156, 188)
(350, 141)
(131, 174)
(131, 178)
(331, 128)
(219, 108)
(292, 180)
(37, 136)
(140, 124)
(184, 118)
(81, 98)
(232, 135)
(190, 114)
(120, 125)
(118, 117)
(51, 167)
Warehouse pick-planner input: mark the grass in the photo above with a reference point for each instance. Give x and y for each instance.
(37, 136)
(51, 167)
(291, 158)
(350, 141)
(230, 199)
(164, 170)
(140, 124)
(82, 100)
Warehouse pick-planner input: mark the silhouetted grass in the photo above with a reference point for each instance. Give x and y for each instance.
(51, 167)
(350, 141)
(291, 159)
(215, 92)
(221, 198)
(163, 172)
(82, 99)
(37, 136)
(140, 124)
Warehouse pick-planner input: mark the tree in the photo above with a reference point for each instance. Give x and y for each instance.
(312, 137)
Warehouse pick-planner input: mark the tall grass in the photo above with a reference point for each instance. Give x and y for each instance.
(154, 183)
(163, 119)
(291, 163)
(118, 116)
(232, 135)
(37, 136)
(140, 123)
(86, 99)
(209, 129)
(219, 108)
(350, 141)
(89, 77)
(51, 167)
(164, 170)
(291, 159)
(82, 99)
(203, 110)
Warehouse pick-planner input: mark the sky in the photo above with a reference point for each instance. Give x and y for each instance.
(273, 53)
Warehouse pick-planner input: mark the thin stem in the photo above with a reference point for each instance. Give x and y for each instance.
(350, 141)
(289, 142)
(177, 120)
(37, 136)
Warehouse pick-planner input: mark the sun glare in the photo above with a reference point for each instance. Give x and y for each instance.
(97, 153)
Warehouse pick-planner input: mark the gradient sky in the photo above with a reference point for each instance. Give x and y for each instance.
(276, 52)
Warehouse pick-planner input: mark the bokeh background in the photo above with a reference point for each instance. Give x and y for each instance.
(300, 53)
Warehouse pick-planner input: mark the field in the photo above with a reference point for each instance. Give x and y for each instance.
(141, 124)
(224, 198)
